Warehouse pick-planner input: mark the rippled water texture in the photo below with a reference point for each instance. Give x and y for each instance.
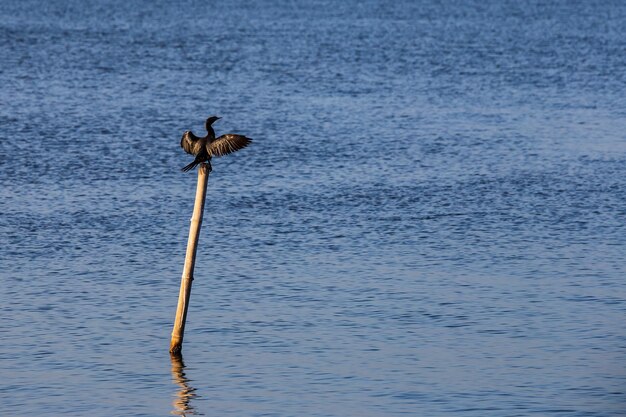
(430, 221)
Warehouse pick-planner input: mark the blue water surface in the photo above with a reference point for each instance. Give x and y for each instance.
(430, 221)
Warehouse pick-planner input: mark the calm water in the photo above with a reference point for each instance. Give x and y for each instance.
(430, 222)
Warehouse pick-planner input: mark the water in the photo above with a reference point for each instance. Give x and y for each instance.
(430, 222)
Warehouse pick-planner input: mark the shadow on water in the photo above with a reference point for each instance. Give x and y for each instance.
(185, 393)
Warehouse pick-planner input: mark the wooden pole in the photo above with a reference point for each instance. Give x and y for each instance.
(176, 343)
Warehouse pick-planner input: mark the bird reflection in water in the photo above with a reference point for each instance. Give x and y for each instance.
(184, 395)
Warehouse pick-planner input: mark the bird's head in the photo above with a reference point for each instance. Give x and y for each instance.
(211, 120)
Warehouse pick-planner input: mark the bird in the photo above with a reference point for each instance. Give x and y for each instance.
(209, 146)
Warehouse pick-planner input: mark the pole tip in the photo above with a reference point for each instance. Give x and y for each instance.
(176, 350)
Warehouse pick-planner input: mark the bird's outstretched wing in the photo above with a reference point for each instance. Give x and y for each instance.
(227, 143)
(190, 143)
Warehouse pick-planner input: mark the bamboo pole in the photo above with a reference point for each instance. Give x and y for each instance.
(176, 343)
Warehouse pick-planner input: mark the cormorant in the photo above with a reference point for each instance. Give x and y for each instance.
(208, 146)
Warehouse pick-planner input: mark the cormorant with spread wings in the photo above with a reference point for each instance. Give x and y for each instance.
(209, 146)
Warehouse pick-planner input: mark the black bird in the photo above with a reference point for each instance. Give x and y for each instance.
(207, 147)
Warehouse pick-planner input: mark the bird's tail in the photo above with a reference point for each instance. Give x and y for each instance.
(190, 166)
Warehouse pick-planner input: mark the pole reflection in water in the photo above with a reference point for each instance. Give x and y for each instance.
(184, 395)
